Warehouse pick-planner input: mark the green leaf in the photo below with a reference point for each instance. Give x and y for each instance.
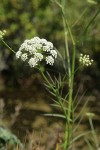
(55, 115)
(50, 77)
(58, 105)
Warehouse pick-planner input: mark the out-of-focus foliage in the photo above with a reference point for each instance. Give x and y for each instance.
(25, 19)
(8, 138)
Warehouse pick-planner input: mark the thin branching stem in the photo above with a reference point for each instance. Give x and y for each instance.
(91, 21)
(71, 68)
(8, 46)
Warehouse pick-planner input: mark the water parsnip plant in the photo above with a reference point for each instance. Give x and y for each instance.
(38, 51)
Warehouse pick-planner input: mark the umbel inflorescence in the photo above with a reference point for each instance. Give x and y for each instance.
(35, 50)
(2, 34)
(85, 60)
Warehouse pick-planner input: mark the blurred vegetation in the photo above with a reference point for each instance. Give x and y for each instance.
(7, 138)
(25, 19)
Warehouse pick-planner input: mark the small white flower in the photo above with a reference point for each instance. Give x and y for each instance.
(31, 41)
(46, 48)
(24, 56)
(50, 60)
(35, 45)
(28, 48)
(36, 40)
(39, 46)
(32, 50)
(38, 56)
(2, 33)
(23, 46)
(53, 53)
(26, 41)
(49, 44)
(44, 41)
(32, 62)
(20, 48)
(18, 54)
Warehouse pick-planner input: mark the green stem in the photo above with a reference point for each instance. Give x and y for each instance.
(70, 74)
(68, 132)
(67, 54)
(67, 25)
(90, 22)
(66, 141)
(7, 46)
(70, 79)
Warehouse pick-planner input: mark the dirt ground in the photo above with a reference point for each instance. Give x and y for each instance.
(23, 109)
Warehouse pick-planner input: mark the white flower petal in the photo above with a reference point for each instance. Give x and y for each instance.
(44, 41)
(24, 56)
(46, 48)
(50, 60)
(53, 53)
(18, 54)
(38, 56)
(49, 44)
(32, 62)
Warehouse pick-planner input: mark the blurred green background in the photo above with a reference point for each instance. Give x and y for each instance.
(24, 19)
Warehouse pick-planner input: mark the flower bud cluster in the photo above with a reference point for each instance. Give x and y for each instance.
(85, 60)
(2, 34)
(35, 50)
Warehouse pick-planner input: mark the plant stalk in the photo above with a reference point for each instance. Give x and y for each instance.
(8, 46)
(71, 68)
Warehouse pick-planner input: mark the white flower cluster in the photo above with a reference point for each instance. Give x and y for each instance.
(2, 33)
(35, 50)
(85, 60)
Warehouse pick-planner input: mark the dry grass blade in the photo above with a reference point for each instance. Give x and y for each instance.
(81, 110)
(75, 107)
(88, 143)
(79, 136)
(78, 124)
